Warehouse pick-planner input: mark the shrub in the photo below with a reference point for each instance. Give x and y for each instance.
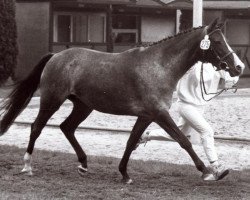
(8, 36)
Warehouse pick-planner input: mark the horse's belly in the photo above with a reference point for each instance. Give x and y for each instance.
(118, 105)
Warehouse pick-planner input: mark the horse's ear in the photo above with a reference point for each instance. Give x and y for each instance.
(212, 25)
(220, 25)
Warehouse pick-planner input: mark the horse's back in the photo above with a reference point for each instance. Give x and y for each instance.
(116, 83)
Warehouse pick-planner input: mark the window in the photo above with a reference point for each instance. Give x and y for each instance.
(240, 42)
(63, 28)
(125, 28)
(79, 28)
(232, 31)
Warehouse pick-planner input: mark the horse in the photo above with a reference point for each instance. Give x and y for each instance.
(137, 82)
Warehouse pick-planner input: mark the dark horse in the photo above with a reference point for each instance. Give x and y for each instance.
(138, 82)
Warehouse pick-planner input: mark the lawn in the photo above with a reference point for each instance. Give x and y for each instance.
(55, 177)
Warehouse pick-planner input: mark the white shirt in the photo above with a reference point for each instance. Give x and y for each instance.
(189, 89)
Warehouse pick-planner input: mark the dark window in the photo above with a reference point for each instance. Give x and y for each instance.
(125, 38)
(79, 27)
(125, 29)
(63, 33)
(124, 22)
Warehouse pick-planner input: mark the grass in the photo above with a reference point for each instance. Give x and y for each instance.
(55, 177)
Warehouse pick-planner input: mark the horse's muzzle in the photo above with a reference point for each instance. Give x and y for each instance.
(240, 68)
(237, 71)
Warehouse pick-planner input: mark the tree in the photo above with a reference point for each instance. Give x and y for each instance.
(8, 36)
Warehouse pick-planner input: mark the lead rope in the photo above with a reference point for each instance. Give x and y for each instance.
(203, 88)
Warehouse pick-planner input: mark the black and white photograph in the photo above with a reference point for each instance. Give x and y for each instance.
(125, 99)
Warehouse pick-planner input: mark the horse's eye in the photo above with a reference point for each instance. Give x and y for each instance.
(217, 42)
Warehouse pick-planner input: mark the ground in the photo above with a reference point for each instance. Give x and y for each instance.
(55, 177)
(229, 116)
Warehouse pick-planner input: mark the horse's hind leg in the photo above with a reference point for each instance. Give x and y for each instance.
(139, 127)
(79, 113)
(46, 111)
(167, 123)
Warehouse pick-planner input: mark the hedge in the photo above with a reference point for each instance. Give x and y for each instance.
(8, 43)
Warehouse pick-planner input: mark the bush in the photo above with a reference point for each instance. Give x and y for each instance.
(8, 36)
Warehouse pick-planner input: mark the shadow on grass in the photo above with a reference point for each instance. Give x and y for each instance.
(55, 177)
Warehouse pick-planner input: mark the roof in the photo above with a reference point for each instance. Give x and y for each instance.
(137, 3)
(171, 4)
(227, 4)
(209, 4)
(177, 4)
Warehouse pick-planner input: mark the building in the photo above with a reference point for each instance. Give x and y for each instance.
(116, 25)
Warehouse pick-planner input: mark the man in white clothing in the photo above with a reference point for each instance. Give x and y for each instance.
(191, 107)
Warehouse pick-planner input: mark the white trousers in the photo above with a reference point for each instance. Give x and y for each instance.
(191, 118)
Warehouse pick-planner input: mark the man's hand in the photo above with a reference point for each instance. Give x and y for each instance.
(230, 84)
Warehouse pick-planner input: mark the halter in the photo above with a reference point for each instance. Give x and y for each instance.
(221, 61)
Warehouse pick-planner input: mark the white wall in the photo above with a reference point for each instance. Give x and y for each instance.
(156, 28)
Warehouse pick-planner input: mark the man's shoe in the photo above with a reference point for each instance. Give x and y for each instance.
(218, 172)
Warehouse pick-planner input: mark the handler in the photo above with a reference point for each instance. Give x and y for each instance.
(191, 103)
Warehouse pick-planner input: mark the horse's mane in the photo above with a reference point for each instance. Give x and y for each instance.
(171, 37)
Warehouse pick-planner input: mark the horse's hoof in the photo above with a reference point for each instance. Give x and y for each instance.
(208, 177)
(27, 172)
(128, 181)
(82, 170)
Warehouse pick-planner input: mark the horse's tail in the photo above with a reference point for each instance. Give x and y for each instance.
(21, 95)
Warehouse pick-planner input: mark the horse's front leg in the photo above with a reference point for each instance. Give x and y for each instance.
(166, 122)
(139, 127)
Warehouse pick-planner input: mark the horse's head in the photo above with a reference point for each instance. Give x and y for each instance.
(216, 50)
